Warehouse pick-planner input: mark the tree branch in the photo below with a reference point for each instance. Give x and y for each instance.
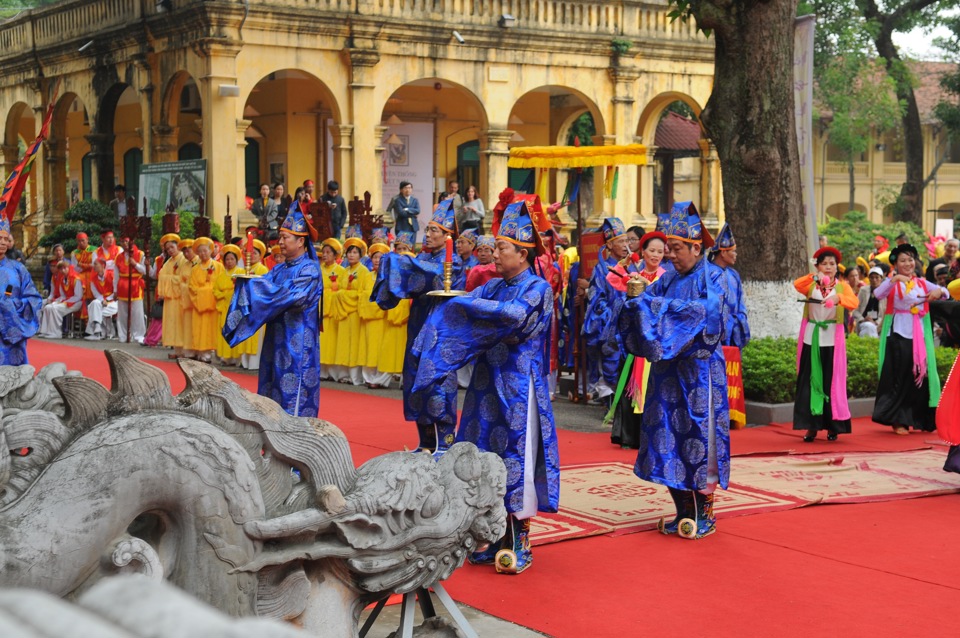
(933, 171)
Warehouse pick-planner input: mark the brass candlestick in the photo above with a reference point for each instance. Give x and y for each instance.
(447, 282)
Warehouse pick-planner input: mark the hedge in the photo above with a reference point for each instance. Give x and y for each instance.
(770, 368)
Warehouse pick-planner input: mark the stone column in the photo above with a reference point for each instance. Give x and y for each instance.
(709, 183)
(624, 130)
(55, 179)
(342, 136)
(164, 144)
(101, 162)
(646, 195)
(365, 117)
(494, 153)
(238, 209)
(376, 188)
(219, 126)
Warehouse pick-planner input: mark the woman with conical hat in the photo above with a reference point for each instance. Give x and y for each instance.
(334, 276)
(909, 388)
(676, 325)
(346, 309)
(504, 327)
(287, 301)
(821, 397)
(406, 277)
(20, 303)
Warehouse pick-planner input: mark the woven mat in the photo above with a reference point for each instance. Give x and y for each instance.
(606, 498)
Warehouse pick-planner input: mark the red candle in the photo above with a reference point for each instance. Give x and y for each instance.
(449, 256)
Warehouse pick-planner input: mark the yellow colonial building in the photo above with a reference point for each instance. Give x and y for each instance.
(367, 92)
(879, 172)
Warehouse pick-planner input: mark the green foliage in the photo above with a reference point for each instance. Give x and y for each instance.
(89, 216)
(948, 110)
(583, 129)
(853, 235)
(863, 356)
(620, 46)
(769, 368)
(861, 98)
(683, 10)
(680, 108)
(186, 229)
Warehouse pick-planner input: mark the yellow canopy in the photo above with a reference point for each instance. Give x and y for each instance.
(576, 156)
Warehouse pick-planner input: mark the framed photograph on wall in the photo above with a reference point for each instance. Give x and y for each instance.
(278, 169)
(398, 153)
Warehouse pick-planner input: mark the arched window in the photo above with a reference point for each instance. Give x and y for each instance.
(190, 151)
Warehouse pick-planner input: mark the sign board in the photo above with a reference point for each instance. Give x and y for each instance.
(592, 244)
(179, 183)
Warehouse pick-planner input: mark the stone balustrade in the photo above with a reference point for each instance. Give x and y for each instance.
(626, 19)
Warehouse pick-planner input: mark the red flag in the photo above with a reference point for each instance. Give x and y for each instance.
(17, 179)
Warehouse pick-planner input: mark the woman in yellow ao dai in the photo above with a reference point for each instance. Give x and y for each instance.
(206, 325)
(223, 292)
(373, 320)
(345, 310)
(333, 277)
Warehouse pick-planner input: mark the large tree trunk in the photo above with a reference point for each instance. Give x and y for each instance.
(899, 18)
(750, 118)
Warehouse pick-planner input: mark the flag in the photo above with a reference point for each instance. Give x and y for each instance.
(17, 180)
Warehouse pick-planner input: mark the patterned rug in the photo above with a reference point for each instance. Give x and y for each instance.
(606, 498)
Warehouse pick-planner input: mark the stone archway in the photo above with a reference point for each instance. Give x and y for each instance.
(426, 127)
(551, 115)
(181, 111)
(682, 163)
(66, 147)
(114, 136)
(295, 120)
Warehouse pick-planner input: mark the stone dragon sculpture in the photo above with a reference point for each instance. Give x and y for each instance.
(223, 494)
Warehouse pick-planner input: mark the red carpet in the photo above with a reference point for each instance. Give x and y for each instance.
(878, 569)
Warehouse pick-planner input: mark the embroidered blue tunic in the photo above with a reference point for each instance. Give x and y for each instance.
(503, 327)
(736, 329)
(405, 277)
(286, 300)
(19, 312)
(676, 325)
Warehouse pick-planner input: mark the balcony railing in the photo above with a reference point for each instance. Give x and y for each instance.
(842, 169)
(628, 19)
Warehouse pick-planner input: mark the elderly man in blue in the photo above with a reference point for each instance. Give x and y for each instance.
(504, 327)
(603, 300)
(19, 303)
(286, 300)
(407, 277)
(676, 325)
(736, 329)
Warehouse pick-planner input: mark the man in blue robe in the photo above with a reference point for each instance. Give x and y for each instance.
(603, 301)
(504, 327)
(19, 303)
(406, 277)
(286, 300)
(676, 325)
(736, 328)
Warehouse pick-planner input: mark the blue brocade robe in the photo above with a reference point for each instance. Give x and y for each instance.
(19, 312)
(503, 327)
(676, 325)
(598, 315)
(286, 300)
(405, 277)
(568, 316)
(736, 329)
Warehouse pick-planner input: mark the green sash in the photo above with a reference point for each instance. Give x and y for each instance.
(817, 397)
